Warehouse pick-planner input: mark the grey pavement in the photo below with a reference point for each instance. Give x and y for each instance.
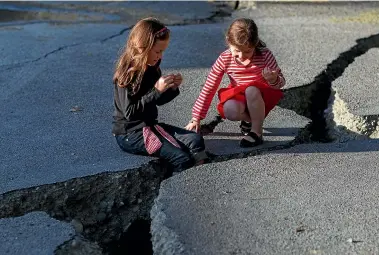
(34, 41)
(305, 45)
(33, 234)
(358, 87)
(54, 143)
(77, 143)
(58, 116)
(308, 38)
(56, 101)
(354, 104)
(81, 59)
(280, 128)
(310, 199)
(116, 12)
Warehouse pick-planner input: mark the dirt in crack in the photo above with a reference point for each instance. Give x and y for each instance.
(135, 241)
(106, 208)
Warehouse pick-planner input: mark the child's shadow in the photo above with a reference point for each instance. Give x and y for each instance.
(266, 132)
(224, 143)
(224, 146)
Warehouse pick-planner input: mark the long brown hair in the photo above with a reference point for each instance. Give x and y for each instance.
(244, 32)
(132, 63)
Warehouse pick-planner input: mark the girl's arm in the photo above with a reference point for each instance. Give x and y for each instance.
(203, 102)
(167, 96)
(132, 106)
(270, 62)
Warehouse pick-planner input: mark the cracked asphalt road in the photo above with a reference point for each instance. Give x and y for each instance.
(51, 68)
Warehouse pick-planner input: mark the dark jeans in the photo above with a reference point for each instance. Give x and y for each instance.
(192, 146)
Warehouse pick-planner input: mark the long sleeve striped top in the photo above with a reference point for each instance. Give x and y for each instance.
(238, 75)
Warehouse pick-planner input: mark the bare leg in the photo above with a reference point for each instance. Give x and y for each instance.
(256, 109)
(235, 110)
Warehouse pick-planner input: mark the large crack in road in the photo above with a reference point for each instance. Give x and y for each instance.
(327, 119)
(111, 211)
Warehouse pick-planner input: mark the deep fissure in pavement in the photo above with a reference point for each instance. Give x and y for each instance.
(101, 207)
(113, 208)
(136, 240)
(315, 96)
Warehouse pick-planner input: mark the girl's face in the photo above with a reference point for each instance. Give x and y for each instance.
(156, 52)
(242, 53)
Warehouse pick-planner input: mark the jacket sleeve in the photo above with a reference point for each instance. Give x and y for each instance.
(134, 106)
(167, 96)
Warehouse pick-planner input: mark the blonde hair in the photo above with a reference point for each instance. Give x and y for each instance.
(132, 63)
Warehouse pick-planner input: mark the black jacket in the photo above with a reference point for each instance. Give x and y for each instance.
(134, 112)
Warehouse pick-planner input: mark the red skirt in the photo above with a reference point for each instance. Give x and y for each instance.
(271, 97)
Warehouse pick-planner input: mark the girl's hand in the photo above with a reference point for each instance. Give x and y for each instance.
(270, 75)
(164, 83)
(177, 80)
(193, 125)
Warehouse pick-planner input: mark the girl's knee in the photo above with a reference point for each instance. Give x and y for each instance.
(232, 110)
(252, 93)
(181, 161)
(196, 142)
(197, 148)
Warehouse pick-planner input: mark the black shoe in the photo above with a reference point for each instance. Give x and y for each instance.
(252, 140)
(245, 127)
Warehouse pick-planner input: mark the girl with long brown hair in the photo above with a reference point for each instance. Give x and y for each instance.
(139, 88)
(255, 83)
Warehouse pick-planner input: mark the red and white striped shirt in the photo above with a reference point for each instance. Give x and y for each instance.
(238, 75)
